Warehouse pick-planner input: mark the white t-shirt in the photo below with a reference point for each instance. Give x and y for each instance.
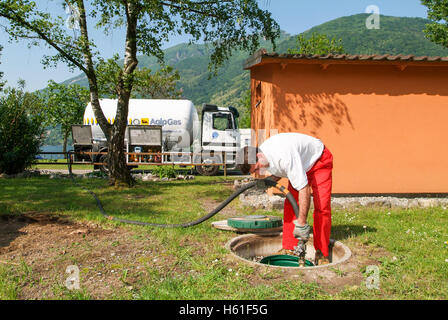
(292, 155)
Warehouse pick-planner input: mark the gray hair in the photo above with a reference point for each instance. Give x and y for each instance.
(245, 157)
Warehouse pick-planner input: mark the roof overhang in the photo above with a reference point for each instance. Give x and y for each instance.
(262, 57)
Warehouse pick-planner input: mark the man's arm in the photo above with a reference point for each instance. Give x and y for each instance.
(275, 178)
(304, 204)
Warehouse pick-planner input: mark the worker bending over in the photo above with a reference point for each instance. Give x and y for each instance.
(306, 162)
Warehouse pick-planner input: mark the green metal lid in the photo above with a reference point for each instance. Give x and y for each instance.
(283, 260)
(255, 222)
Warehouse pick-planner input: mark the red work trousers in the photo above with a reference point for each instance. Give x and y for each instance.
(320, 180)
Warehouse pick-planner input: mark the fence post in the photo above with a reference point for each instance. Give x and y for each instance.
(225, 165)
(69, 162)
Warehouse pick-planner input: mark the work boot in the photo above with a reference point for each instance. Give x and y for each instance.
(320, 259)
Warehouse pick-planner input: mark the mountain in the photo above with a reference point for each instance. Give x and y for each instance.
(397, 35)
(196, 81)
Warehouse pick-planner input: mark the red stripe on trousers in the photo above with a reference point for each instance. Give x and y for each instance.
(320, 180)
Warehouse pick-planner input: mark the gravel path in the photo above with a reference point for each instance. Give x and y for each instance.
(63, 171)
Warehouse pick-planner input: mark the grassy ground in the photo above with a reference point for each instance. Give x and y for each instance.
(49, 224)
(61, 164)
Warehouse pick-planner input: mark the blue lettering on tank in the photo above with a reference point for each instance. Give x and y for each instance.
(163, 122)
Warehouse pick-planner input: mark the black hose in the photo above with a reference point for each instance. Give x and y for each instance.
(272, 183)
(267, 182)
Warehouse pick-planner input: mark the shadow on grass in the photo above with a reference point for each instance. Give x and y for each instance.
(11, 224)
(342, 232)
(158, 202)
(10, 230)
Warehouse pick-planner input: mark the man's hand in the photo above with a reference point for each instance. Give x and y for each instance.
(261, 182)
(302, 232)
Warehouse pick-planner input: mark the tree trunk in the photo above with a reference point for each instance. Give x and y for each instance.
(119, 173)
(64, 145)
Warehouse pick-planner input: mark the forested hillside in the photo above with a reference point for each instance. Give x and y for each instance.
(397, 35)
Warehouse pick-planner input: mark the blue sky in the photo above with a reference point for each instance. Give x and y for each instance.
(294, 16)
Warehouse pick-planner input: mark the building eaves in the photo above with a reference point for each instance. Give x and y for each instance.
(262, 55)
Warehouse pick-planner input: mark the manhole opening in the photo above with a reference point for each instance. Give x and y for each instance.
(253, 249)
(283, 260)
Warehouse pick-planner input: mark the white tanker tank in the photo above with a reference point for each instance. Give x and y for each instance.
(178, 118)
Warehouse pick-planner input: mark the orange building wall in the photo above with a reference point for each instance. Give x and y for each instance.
(386, 127)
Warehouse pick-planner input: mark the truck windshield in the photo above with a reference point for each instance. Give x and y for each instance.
(222, 121)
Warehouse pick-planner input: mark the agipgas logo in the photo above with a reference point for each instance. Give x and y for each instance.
(163, 122)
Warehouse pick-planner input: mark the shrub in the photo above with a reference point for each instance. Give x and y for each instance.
(20, 130)
(164, 172)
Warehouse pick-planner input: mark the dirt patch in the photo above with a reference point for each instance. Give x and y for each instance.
(349, 274)
(116, 261)
(110, 261)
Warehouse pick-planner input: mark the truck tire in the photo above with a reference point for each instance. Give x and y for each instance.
(102, 159)
(207, 170)
(104, 168)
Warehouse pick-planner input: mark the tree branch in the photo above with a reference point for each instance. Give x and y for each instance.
(44, 37)
(189, 9)
(90, 72)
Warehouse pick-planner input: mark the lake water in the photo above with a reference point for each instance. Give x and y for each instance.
(54, 149)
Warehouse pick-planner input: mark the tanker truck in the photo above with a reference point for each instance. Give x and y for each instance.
(181, 132)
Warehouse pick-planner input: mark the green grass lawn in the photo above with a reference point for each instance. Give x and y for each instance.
(408, 245)
(61, 164)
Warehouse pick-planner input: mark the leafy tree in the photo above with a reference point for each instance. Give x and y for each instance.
(147, 84)
(317, 44)
(225, 24)
(20, 129)
(437, 30)
(245, 110)
(157, 85)
(2, 83)
(64, 106)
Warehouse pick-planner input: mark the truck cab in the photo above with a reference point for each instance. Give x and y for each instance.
(219, 136)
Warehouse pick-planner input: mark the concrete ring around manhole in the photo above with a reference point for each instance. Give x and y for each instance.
(250, 247)
(223, 225)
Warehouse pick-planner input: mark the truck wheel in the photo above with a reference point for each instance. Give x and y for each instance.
(207, 170)
(103, 168)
